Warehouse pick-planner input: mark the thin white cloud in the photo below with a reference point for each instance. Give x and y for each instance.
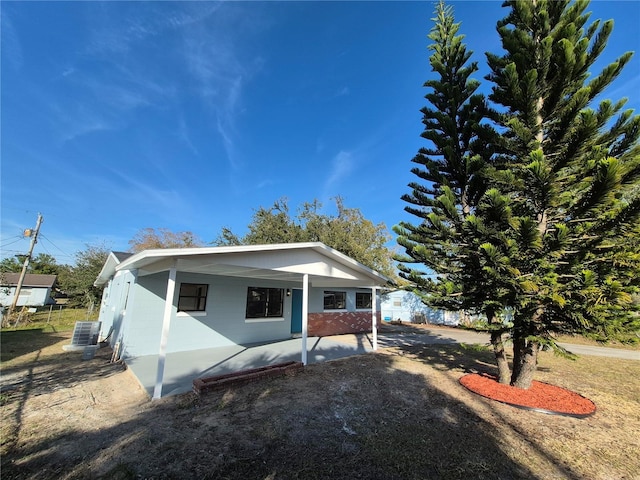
(184, 136)
(343, 92)
(11, 46)
(221, 68)
(341, 166)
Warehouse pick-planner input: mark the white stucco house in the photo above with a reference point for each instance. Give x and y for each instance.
(37, 289)
(406, 306)
(175, 300)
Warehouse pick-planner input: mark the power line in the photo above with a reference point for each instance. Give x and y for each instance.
(11, 243)
(62, 251)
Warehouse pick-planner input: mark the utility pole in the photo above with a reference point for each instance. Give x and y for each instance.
(34, 240)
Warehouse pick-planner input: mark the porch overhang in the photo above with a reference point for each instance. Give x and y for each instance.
(287, 262)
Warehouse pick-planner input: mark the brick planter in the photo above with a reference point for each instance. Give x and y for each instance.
(206, 384)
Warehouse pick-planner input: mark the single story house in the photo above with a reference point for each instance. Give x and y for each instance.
(182, 299)
(37, 289)
(406, 306)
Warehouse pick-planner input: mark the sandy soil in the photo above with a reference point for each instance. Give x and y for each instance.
(392, 415)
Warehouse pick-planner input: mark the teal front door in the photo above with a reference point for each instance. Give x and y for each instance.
(296, 311)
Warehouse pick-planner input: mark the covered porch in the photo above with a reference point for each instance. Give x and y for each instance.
(181, 368)
(173, 343)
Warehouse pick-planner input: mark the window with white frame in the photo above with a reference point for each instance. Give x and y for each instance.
(192, 297)
(334, 300)
(363, 300)
(265, 302)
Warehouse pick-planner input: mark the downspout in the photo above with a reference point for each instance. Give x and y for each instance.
(164, 337)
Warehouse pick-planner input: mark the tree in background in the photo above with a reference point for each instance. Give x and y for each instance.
(550, 237)
(273, 225)
(77, 281)
(43, 264)
(149, 238)
(348, 232)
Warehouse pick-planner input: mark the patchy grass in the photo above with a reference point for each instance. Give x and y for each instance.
(396, 414)
(580, 340)
(50, 320)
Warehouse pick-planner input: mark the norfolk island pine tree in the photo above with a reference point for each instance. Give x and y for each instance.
(551, 233)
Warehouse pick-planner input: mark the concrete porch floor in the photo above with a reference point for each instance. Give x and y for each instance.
(182, 368)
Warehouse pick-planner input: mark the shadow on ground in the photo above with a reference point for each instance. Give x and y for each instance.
(359, 417)
(22, 342)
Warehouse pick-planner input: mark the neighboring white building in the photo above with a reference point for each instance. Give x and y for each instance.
(36, 291)
(407, 307)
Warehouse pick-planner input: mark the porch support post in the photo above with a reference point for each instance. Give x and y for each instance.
(305, 315)
(164, 337)
(374, 318)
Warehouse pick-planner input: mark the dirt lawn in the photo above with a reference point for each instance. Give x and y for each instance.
(396, 414)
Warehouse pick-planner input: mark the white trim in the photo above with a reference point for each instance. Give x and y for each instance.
(374, 318)
(305, 315)
(264, 320)
(194, 313)
(141, 259)
(166, 324)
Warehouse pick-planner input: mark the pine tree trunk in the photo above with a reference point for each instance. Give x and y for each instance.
(504, 374)
(525, 363)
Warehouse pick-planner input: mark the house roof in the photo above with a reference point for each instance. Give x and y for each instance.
(121, 256)
(30, 280)
(286, 261)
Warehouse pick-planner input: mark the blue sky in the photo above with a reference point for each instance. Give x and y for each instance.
(119, 116)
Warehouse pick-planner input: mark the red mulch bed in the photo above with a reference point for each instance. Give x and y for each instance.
(541, 397)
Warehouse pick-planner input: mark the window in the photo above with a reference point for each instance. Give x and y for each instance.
(335, 300)
(363, 299)
(192, 297)
(264, 302)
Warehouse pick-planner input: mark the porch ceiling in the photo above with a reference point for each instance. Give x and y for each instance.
(261, 273)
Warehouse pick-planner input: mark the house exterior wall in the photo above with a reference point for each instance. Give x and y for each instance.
(29, 296)
(222, 324)
(336, 322)
(142, 324)
(138, 327)
(115, 298)
(407, 307)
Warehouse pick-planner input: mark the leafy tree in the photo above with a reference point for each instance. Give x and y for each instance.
(348, 232)
(10, 265)
(43, 263)
(77, 281)
(149, 238)
(273, 225)
(227, 238)
(551, 235)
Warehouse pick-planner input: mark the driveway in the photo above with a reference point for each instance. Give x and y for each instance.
(398, 335)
